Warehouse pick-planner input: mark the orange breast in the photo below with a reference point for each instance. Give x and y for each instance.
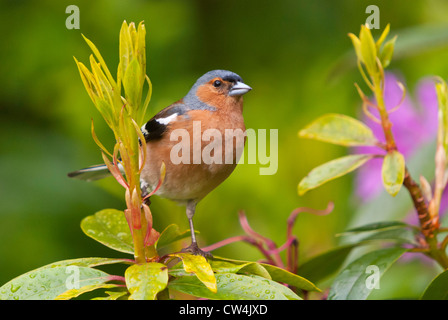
(200, 150)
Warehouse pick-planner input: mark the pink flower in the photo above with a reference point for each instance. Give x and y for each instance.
(413, 124)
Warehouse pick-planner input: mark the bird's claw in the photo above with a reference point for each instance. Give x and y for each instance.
(194, 249)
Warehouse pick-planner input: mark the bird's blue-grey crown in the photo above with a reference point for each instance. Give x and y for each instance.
(223, 74)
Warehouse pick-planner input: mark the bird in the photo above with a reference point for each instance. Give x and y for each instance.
(213, 105)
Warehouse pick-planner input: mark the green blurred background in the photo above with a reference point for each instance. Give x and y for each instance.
(285, 50)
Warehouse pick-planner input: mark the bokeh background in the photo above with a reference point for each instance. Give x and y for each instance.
(294, 54)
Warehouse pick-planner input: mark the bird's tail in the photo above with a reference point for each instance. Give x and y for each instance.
(91, 173)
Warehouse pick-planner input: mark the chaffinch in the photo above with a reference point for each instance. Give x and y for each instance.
(211, 110)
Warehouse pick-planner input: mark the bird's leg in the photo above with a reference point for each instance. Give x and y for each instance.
(194, 248)
(145, 193)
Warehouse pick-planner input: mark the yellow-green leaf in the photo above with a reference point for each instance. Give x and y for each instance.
(47, 283)
(233, 286)
(145, 281)
(132, 85)
(441, 90)
(357, 45)
(387, 52)
(109, 227)
(368, 49)
(200, 267)
(105, 89)
(97, 54)
(170, 235)
(141, 50)
(73, 293)
(393, 172)
(126, 49)
(332, 170)
(339, 129)
(112, 295)
(383, 36)
(255, 268)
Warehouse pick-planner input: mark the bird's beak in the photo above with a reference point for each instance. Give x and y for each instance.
(239, 89)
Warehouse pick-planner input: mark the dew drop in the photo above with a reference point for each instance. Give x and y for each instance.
(14, 288)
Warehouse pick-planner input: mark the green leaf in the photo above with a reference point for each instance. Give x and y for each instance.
(109, 227)
(275, 273)
(441, 90)
(351, 283)
(234, 287)
(170, 235)
(368, 49)
(141, 49)
(200, 267)
(284, 276)
(131, 83)
(332, 170)
(324, 265)
(383, 36)
(339, 129)
(392, 172)
(398, 207)
(287, 292)
(112, 295)
(47, 283)
(125, 48)
(85, 262)
(24, 278)
(145, 281)
(400, 235)
(438, 288)
(387, 52)
(73, 293)
(97, 54)
(357, 45)
(228, 266)
(384, 230)
(381, 225)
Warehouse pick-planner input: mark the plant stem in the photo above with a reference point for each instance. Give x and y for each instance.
(428, 224)
(139, 249)
(385, 122)
(420, 205)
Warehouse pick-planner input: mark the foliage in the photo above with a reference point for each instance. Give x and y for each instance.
(372, 58)
(154, 273)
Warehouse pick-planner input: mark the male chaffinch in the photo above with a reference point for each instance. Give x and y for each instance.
(214, 102)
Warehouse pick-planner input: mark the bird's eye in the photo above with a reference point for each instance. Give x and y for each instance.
(217, 83)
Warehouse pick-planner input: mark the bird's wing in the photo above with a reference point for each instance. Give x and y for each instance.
(155, 128)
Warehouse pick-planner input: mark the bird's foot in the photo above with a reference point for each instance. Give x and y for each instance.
(193, 248)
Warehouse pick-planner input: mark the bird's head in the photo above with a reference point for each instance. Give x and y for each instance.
(218, 88)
